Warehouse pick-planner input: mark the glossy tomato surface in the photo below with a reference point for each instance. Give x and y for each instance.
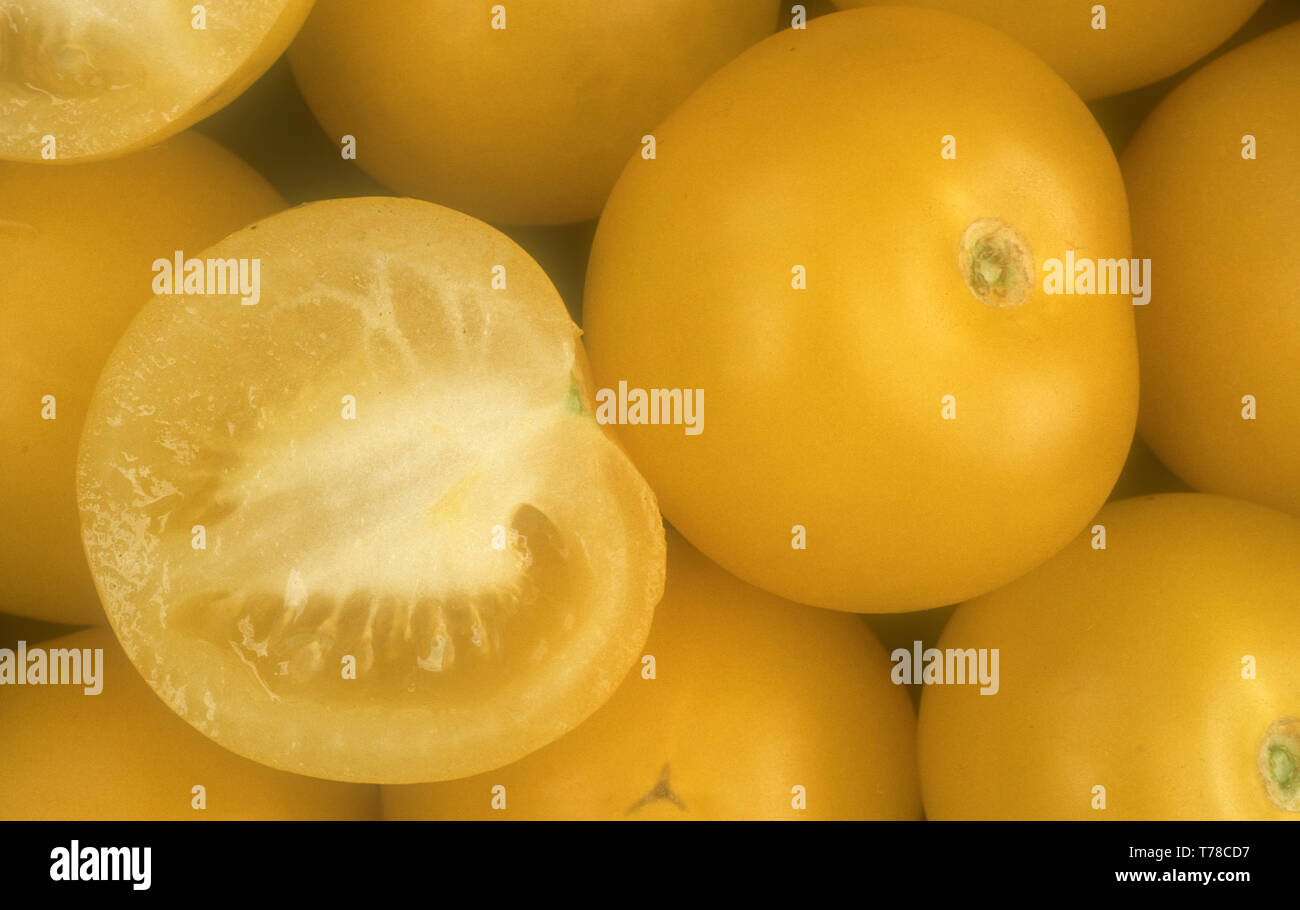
(896, 414)
(1156, 678)
(1105, 48)
(1214, 182)
(517, 113)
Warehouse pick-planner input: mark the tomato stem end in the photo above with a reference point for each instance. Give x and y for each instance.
(996, 263)
(1279, 763)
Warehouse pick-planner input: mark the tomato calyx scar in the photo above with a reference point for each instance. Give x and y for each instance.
(1279, 763)
(996, 263)
(661, 790)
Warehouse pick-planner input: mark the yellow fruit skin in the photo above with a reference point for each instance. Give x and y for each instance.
(1220, 230)
(529, 124)
(122, 755)
(1144, 40)
(824, 405)
(76, 248)
(1123, 668)
(752, 695)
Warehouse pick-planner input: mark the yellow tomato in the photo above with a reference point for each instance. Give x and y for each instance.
(77, 245)
(1214, 182)
(1153, 679)
(368, 528)
(121, 755)
(896, 413)
(1130, 44)
(514, 112)
(89, 81)
(743, 705)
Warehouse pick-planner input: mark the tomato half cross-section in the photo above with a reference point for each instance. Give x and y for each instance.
(84, 81)
(744, 706)
(359, 522)
(844, 254)
(1149, 671)
(1214, 179)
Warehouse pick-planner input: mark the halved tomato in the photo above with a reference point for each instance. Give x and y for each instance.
(361, 523)
(104, 79)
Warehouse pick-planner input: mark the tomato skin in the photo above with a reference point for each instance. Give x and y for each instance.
(76, 246)
(122, 755)
(1220, 228)
(1144, 40)
(526, 124)
(751, 695)
(824, 406)
(1123, 668)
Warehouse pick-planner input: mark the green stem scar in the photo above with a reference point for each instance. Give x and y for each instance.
(996, 263)
(573, 402)
(1279, 763)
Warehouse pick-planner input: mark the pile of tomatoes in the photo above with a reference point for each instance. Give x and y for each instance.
(665, 409)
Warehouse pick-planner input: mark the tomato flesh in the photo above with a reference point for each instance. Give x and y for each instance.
(84, 81)
(368, 528)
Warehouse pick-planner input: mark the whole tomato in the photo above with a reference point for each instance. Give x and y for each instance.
(1214, 185)
(517, 113)
(838, 254)
(1143, 674)
(1105, 48)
